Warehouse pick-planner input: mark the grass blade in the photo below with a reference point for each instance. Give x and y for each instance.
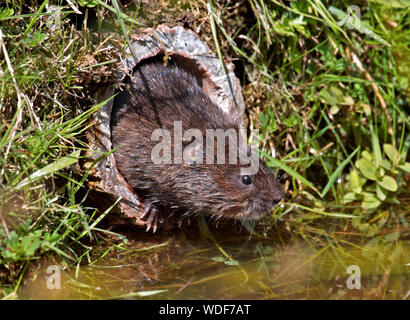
(123, 15)
(122, 25)
(337, 172)
(34, 18)
(328, 214)
(276, 163)
(49, 169)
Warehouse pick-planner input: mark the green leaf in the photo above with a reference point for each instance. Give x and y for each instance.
(218, 259)
(388, 183)
(87, 3)
(334, 109)
(364, 107)
(355, 183)
(381, 192)
(405, 167)
(367, 168)
(380, 172)
(392, 153)
(231, 262)
(348, 100)
(6, 13)
(386, 164)
(328, 97)
(370, 201)
(291, 121)
(35, 38)
(349, 197)
(32, 247)
(349, 19)
(335, 91)
(367, 155)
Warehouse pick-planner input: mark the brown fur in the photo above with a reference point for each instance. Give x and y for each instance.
(154, 97)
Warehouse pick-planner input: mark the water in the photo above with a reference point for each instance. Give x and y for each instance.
(185, 264)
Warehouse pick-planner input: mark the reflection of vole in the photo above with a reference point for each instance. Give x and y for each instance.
(158, 96)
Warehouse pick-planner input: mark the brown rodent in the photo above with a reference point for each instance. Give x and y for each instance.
(155, 96)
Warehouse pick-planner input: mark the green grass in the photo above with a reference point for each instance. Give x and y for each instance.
(327, 99)
(45, 110)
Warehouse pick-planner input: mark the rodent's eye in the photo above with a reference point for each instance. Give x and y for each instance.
(246, 180)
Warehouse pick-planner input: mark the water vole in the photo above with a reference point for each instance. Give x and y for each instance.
(158, 96)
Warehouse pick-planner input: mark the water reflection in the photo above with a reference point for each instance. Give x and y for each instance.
(187, 265)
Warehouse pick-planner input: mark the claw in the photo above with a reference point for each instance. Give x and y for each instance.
(152, 213)
(154, 229)
(180, 224)
(151, 219)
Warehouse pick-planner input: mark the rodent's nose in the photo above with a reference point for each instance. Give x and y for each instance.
(276, 200)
